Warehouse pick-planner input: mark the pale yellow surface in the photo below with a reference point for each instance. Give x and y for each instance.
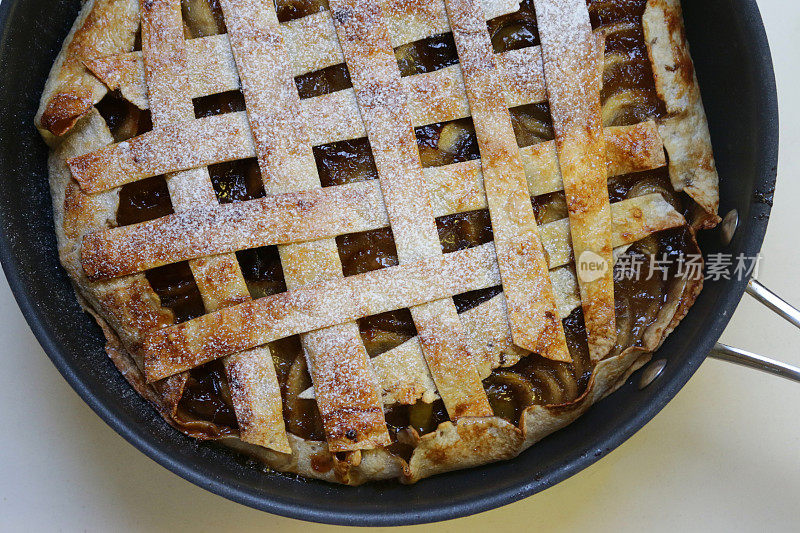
(724, 455)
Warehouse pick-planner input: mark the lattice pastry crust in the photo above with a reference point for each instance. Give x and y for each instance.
(456, 354)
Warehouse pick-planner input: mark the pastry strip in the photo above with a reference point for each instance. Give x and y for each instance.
(322, 304)
(458, 187)
(313, 45)
(318, 305)
(347, 392)
(254, 386)
(333, 211)
(311, 42)
(401, 370)
(436, 96)
(432, 97)
(169, 148)
(555, 236)
(107, 27)
(574, 96)
(532, 312)
(373, 69)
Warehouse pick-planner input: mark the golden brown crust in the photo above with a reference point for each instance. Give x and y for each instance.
(433, 97)
(335, 301)
(315, 306)
(381, 465)
(402, 372)
(311, 42)
(216, 139)
(436, 96)
(255, 391)
(333, 211)
(279, 219)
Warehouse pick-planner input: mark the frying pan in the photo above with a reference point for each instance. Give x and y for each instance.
(734, 67)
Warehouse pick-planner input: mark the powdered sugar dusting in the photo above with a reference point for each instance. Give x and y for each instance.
(568, 46)
(533, 314)
(163, 49)
(402, 370)
(338, 210)
(348, 397)
(287, 167)
(342, 300)
(382, 101)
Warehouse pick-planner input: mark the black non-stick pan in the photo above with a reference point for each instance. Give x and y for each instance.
(735, 71)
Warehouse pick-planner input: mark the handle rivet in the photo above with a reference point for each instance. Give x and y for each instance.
(728, 227)
(651, 372)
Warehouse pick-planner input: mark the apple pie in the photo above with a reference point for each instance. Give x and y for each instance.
(378, 239)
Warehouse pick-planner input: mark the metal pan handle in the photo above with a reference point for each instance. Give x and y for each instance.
(751, 360)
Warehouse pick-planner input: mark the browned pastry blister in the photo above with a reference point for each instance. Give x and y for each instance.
(341, 237)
